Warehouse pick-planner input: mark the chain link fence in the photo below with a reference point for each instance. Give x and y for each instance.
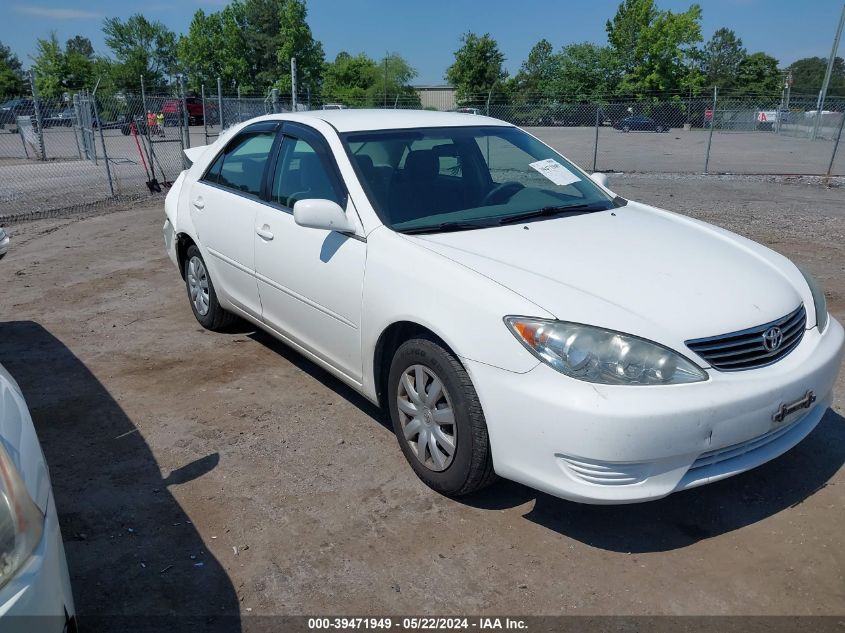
(84, 148)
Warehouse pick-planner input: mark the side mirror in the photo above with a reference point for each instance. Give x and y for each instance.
(4, 243)
(322, 214)
(600, 179)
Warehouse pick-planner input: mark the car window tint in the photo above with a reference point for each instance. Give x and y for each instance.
(244, 162)
(213, 173)
(301, 175)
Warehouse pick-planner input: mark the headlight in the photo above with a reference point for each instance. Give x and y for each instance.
(819, 300)
(603, 356)
(21, 521)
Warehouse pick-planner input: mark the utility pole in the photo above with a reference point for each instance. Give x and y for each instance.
(827, 73)
(385, 80)
(293, 84)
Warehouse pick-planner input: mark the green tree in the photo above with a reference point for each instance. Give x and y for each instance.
(263, 38)
(808, 75)
(477, 70)
(49, 67)
(632, 20)
(758, 74)
(656, 49)
(215, 47)
(80, 64)
(140, 47)
(298, 41)
(360, 80)
(722, 57)
(348, 78)
(392, 85)
(586, 71)
(537, 74)
(11, 73)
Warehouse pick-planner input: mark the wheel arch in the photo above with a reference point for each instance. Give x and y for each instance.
(390, 339)
(183, 243)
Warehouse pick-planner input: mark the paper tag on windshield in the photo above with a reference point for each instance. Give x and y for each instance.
(554, 171)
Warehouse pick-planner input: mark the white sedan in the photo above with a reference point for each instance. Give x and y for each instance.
(35, 589)
(515, 316)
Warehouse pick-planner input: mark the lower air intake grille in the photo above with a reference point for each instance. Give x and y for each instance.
(754, 347)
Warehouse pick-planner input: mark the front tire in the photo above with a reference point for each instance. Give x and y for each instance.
(438, 420)
(201, 293)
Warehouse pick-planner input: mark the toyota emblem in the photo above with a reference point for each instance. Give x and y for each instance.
(772, 339)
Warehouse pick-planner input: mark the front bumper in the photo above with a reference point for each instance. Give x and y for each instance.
(609, 444)
(39, 597)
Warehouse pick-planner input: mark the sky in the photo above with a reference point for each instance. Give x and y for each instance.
(427, 33)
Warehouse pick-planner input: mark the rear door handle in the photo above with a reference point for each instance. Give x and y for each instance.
(199, 203)
(264, 233)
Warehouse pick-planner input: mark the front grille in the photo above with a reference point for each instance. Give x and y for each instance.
(745, 349)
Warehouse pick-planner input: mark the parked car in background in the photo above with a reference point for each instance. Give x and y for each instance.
(12, 109)
(468, 110)
(4, 242)
(334, 106)
(172, 110)
(639, 123)
(65, 117)
(436, 264)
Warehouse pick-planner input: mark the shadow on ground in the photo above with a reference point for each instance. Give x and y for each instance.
(120, 524)
(687, 517)
(679, 520)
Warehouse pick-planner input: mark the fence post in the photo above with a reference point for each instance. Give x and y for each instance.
(293, 84)
(835, 147)
(596, 143)
(185, 119)
(240, 116)
(274, 99)
(77, 124)
(712, 125)
(38, 118)
(220, 102)
(103, 141)
(204, 119)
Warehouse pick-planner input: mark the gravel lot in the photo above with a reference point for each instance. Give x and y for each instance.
(223, 475)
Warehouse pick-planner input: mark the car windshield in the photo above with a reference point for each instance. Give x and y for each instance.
(457, 178)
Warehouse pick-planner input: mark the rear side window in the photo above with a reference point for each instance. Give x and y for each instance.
(241, 166)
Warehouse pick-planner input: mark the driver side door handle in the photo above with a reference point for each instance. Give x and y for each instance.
(264, 233)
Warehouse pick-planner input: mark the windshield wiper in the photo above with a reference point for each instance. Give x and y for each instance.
(550, 211)
(445, 227)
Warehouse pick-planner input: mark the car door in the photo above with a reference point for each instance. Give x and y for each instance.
(223, 206)
(310, 280)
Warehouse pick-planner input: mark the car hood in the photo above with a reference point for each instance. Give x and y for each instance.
(635, 269)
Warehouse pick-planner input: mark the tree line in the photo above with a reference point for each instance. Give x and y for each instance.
(248, 45)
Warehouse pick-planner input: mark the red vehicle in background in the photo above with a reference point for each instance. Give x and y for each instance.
(172, 111)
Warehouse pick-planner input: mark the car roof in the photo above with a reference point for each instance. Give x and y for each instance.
(352, 120)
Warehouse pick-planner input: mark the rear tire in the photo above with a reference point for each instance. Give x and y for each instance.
(201, 293)
(439, 409)
(626, 128)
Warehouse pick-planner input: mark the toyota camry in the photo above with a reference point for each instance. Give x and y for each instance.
(515, 316)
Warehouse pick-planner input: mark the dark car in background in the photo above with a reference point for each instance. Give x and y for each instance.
(640, 123)
(12, 109)
(65, 117)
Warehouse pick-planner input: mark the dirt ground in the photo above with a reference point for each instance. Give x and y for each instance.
(223, 475)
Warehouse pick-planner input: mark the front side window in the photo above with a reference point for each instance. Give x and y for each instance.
(302, 174)
(241, 166)
(455, 178)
